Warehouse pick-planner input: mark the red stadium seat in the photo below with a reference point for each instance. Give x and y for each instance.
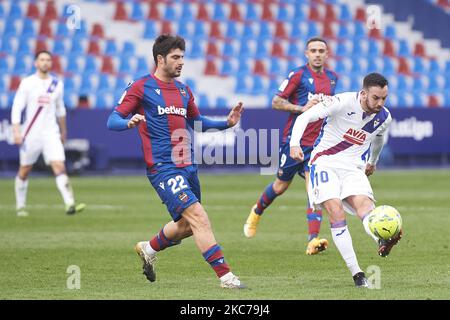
(314, 14)
(235, 14)
(121, 12)
(93, 48)
(211, 69)
(328, 31)
(403, 66)
(280, 31)
(433, 101)
(107, 65)
(267, 12)
(259, 68)
(330, 15)
(212, 50)
(419, 50)
(388, 49)
(56, 65)
(45, 29)
(14, 83)
(41, 45)
(277, 50)
(360, 14)
(375, 33)
(153, 12)
(50, 11)
(33, 11)
(215, 31)
(202, 13)
(166, 27)
(97, 30)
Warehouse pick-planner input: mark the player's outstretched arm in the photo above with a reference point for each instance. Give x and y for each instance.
(279, 103)
(201, 123)
(118, 123)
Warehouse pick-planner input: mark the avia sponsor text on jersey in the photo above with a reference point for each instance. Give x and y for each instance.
(355, 136)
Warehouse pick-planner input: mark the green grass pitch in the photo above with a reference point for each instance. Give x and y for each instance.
(36, 251)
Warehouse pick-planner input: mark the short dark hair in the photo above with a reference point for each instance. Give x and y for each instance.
(40, 52)
(374, 80)
(166, 43)
(313, 39)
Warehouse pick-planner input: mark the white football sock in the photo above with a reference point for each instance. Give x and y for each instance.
(365, 222)
(148, 248)
(21, 187)
(64, 187)
(343, 241)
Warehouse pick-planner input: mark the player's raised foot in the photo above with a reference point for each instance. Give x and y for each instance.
(251, 223)
(385, 246)
(75, 208)
(360, 280)
(316, 245)
(21, 212)
(148, 261)
(230, 281)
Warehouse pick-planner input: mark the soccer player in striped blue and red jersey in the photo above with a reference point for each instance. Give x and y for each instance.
(163, 109)
(304, 87)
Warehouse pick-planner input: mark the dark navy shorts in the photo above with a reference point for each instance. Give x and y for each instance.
(288, 167)
(178, 188)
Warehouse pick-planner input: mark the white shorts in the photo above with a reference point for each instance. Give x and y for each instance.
(332, 183)
(50, 146)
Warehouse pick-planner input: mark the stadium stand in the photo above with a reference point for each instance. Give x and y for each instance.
(246, 48)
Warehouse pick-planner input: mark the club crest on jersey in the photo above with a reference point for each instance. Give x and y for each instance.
(183, 197)
(332, 83)
(183, 92)
(355, 136)
(376, 122)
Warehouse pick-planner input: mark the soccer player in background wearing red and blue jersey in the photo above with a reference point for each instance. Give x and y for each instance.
(163, 109)
(304, 87)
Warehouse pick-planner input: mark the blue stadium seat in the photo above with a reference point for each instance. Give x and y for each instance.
(417, 85)
(403, 50)
(247, 33)
(355, 83)
(264, 31)
(340, 67)
(221, 102)
(372, 65)
(419, 101)
(81, 32)
(275, 66)
(149, 31)
(373, 50)
(24, 46)
(283, 14)
(434, 67)
(10, 28)
(203, 101)
(228, 50)
(343, 32)
(245, 51)
(447, 67)
(86, 86)
(191, 84)
(241, 85)
(15, 12)
(356, 68)
(341, 50)
(120, 85)
(90, 65)
(142, 66)
(358, 51)
(20, 66)
(231, 30)
(313, 30)
(101, 102)
(77, 46)
(390, 32)
(28, 29)
(69, 84)
(418, 65)
(183, 30)
(273, 86)
(227, 68)
(72, 63)
(3, 87)
(251, 13)
(360, 31)
(388, 66)
(433, 85)
(402, 84)
(345, 14)
(125, 66)
(62, 30)
(299, 15)
(293, 50)
(218, 14)
(128, 49)
(136, 11)
(257, 86)
(196, 50)
(243, 68)
(292, 64)
(296, 31)
(261, 50)
(199, 30)
(59, 48)
(447, 99)
(186, 12)
(171, 15)
(2, 11)
(11, 96)
(111, 48)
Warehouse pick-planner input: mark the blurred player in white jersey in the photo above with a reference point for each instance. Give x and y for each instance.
(43, 131)
(345, 153)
